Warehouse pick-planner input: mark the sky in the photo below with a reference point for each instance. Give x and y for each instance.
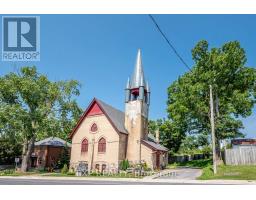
(100, 51)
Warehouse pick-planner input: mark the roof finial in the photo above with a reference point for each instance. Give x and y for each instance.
(138, 75)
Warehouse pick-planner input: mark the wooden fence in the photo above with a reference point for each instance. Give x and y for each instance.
(240, 156)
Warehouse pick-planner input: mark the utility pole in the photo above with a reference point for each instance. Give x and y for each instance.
(213, 133)
(211, 98)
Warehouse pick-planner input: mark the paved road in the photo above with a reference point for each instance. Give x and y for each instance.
(182, 173)
(17, 181)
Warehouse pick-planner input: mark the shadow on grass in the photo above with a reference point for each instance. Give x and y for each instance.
(193, 163)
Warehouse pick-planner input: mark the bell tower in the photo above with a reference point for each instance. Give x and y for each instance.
(137, 99)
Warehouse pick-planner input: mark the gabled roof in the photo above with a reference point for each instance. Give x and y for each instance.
(52, 141)
(154, 146)
(115, 116)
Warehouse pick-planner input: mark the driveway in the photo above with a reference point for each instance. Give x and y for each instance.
(181, 173)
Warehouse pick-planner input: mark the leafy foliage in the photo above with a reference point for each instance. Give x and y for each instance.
(9, 149)
(64, 158)
(124, 165)
(193, 163)
(233, 88)
(194, 144)
(153, 126)
(171, 135)
(7, 172)
(64, 170)
(32, 107)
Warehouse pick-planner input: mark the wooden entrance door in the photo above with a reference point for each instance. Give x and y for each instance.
(158, 160)
(33, 162)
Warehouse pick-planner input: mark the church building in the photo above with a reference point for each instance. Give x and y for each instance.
(104, 135)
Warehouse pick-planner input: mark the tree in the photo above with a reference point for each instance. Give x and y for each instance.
(233, 88)
(10, 137)
(154, 125)
(33, 107)
(171, 135)
(64, 158)
(194, 143)
(9, 149)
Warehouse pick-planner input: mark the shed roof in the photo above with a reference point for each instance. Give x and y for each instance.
(154, 145)
(52, 141)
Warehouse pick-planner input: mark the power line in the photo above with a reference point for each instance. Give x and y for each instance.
(169, 43)
(211, 100)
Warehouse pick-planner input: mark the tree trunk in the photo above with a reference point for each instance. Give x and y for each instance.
(26, 154)
(28, 148)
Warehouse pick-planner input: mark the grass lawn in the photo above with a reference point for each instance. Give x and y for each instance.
(224, 172)
(12, 172)
(17, 173)
(230, 173)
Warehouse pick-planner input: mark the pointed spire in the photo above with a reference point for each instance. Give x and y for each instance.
(142, 82)
(138, 78)
(128, 84)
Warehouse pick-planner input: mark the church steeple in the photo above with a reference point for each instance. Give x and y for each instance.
(136, 110)
(138, 78)
(137, 89)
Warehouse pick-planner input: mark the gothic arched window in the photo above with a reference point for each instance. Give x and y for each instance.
(94, 128)
(84, 146)
(102, 145)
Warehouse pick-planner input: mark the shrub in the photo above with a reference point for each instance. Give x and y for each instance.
(64, 170)
(127, 165)
(124, 165)
(7, 172)
(207, 173)
(64, 158)
(145, 166)
(148, 169)
(41, 170)
(71, 173)
(94, 174)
